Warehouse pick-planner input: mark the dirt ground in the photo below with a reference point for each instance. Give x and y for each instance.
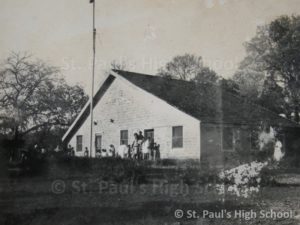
(33, 201)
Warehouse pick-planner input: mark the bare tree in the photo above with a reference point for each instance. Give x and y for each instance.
(35, 97)
(188, 67)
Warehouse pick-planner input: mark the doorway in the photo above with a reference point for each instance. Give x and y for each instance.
(149, 133)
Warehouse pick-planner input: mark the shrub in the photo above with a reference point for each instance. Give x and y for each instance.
(290, 162)
(242, 180)
(109, 169)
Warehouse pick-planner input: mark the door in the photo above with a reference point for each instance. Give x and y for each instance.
(98, 142)
(149, 133)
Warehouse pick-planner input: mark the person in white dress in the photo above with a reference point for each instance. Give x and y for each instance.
(146, 148)
(265, 137)
(278, 154)
(122, 150)
(111, 151)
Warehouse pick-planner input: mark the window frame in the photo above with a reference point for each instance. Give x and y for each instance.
(124, 139)
(176, 138)
(97, 136)
(79, 137)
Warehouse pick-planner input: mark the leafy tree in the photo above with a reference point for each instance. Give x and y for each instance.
(206, 75)
(272, 97)
(274, 54)
(229, 85)
(250, 83)
(188, 67)
(34, 96)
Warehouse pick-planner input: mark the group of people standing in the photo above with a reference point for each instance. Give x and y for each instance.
(142, 148)
(110, 152)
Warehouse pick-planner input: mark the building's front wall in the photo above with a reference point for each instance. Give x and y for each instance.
(127, 107)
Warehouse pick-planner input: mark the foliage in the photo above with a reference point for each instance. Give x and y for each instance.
(271, 69)
(273, 98)
(250, 83)
(230, 85)
(206, 75)
(291, 162)
(107, 169)
(35, 97)
(188, 67)
(243, 180)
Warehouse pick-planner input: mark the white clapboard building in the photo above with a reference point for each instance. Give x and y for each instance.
(185, 119)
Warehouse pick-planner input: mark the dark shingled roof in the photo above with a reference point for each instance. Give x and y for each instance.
(207, 102)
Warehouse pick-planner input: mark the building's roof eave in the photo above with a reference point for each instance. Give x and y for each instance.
(155, 86)
(85, 112)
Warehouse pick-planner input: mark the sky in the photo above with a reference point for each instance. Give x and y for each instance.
(144, 34)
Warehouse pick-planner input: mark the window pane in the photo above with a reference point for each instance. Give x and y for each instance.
(79, 143)
(177, 131)
(177, 137)
(98, 140)
(124, 137)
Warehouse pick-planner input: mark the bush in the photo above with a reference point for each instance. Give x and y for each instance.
(167, 162)
(243, 180)
(290, 162)
(108, 169)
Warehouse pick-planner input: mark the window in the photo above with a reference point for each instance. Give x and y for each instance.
(177, 137)
(98, 142)
(79, 143)
(124, 137)
(227, 138)
(232, 138)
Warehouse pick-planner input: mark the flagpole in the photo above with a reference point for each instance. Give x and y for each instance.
(93, 77)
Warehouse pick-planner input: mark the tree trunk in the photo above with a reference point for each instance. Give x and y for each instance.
(15, 143)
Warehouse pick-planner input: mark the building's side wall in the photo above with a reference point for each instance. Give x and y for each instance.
(211, 146)
(127, 107)
(213, 152)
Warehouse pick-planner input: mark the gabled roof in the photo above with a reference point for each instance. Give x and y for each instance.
(85, 112)
(207, 102)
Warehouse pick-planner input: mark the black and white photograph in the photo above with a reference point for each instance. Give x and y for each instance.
(150, 112)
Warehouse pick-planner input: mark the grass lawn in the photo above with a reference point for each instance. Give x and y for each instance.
(82, 191)
(31, 201)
